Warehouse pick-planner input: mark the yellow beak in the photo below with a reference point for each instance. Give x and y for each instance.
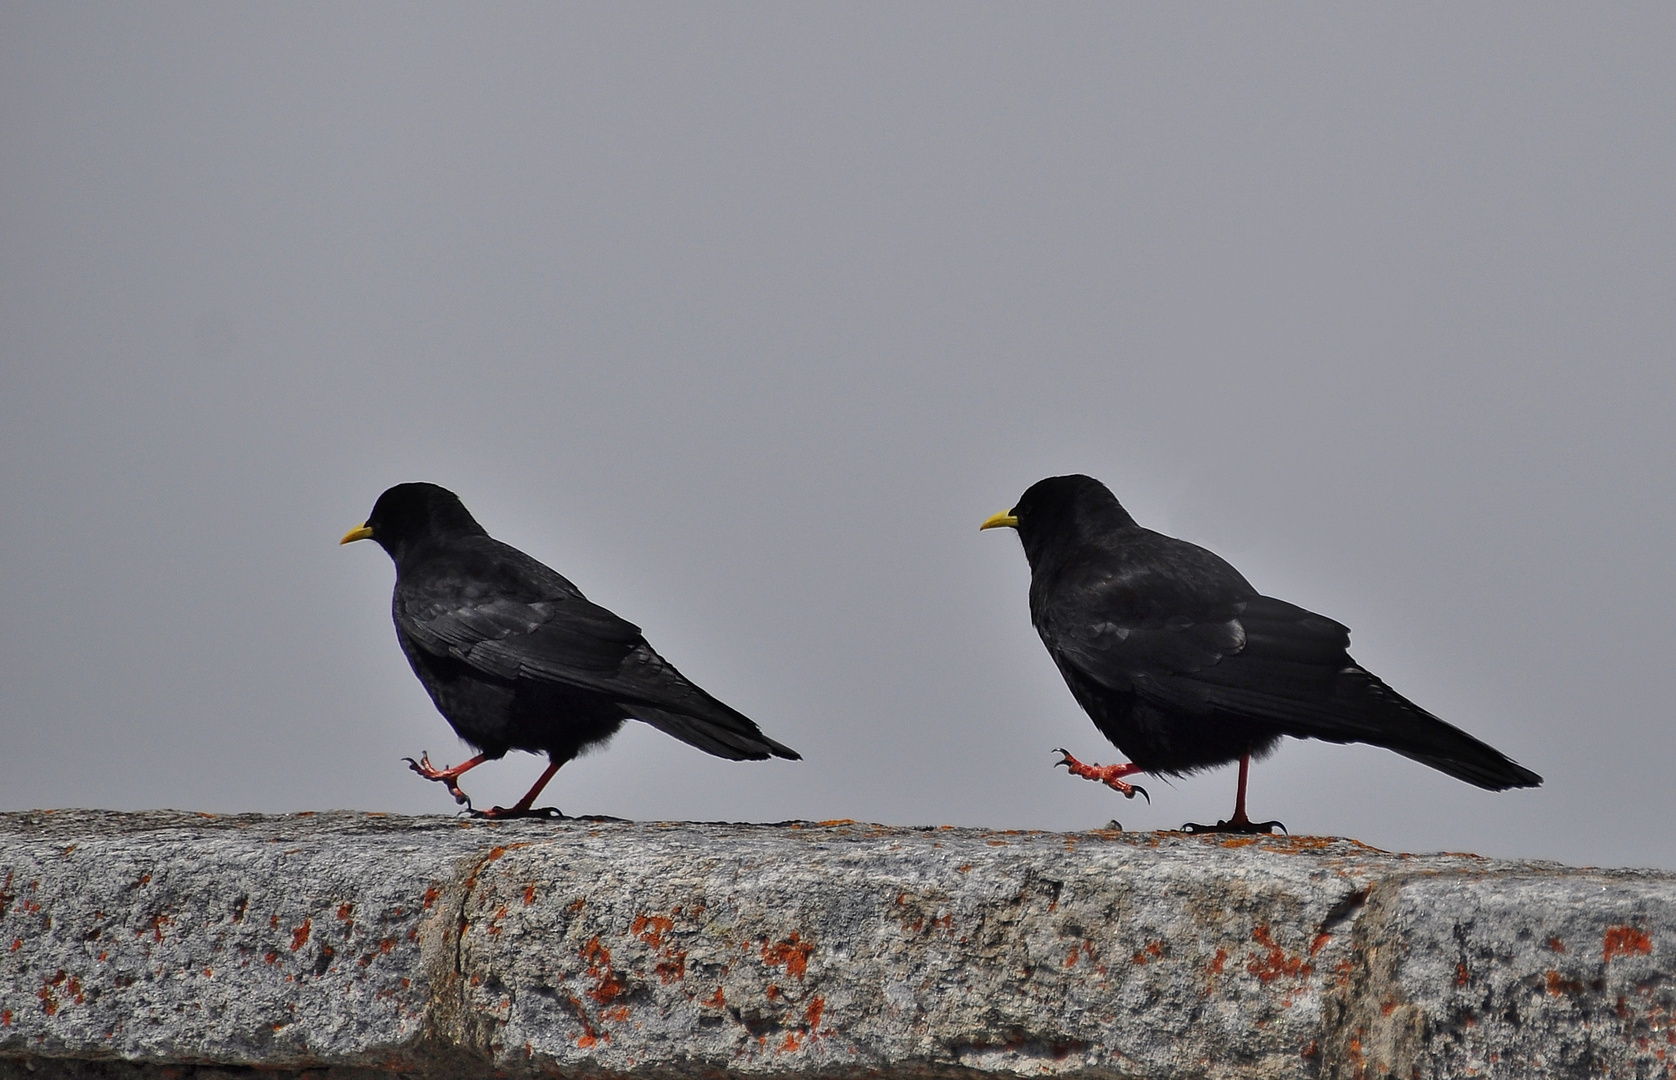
(359, 532)
(1001, 520)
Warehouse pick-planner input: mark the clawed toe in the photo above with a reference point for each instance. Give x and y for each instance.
(1109, 775)
(445, 777)
(424, 767)
(1244, 828)
(502, 813)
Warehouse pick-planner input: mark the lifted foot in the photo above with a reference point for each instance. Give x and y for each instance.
(446, 777)
(1104, 774)
(1242, 825)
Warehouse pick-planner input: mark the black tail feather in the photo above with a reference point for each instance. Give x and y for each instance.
(1361, 708)
(1400, 725)
(726, 734)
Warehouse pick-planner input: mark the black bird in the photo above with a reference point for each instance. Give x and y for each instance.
(516, 658)
(1184, 666)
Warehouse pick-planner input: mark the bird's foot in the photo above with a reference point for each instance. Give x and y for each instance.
(1108, 775)
(503, 813)
(446, 777)
(1238, 824)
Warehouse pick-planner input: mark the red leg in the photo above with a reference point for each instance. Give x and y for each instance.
(1239, 823)
(1239, 817)
(1109, 775)
(522, 807)
(446, 776)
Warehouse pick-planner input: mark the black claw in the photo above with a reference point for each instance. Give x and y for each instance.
(501, 813)
(1066, 760)
(1136, 787)
(1244, 828)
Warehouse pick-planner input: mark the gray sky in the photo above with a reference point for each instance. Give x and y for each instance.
(744, 317)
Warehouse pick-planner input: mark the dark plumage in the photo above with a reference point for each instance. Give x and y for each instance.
(516, 658)
(1183, 665)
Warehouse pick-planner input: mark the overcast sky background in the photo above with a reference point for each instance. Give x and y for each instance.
(744, 317)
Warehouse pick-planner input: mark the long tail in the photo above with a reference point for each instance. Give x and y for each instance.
(727, 734)
(661, 696)
(1358, 707)
(1400, 725)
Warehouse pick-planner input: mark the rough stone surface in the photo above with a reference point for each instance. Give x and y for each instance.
(166, 944)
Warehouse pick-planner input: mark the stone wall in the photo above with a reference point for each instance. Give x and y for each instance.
(169, 944)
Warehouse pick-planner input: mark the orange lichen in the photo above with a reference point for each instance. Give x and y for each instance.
(1556, 944)
(812, 1015)
(651, 929)
(717, 1000)
(1462, 975)
(607, 986)
(299, 936)
(1624, 940)
(49, 1003)
(431, 895)
(673, 969)
(1154, 951)
(1275, 961)
(1220, 959)
(1559, 984)
(529, 895)
(792, 954)
(590, 1037)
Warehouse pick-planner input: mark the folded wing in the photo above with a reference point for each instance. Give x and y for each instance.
(1265, 659)
(564, 638)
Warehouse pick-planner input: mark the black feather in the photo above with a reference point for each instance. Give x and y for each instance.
(1184, 665)
(516, 658)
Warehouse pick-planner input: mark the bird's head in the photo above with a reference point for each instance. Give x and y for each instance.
(411, 512)
(1062, 510)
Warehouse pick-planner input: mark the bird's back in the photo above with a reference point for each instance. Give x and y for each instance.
(1184, 665)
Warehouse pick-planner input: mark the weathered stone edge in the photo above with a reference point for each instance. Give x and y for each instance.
(449, 1043)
